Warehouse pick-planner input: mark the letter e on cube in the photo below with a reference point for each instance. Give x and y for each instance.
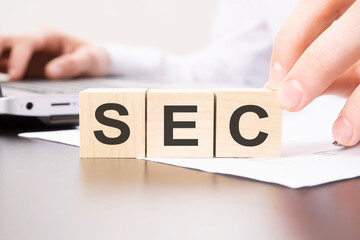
(180, 123)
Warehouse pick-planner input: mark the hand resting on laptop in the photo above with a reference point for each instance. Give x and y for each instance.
(51, 54)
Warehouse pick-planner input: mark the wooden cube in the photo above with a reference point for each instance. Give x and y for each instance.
(180, 123)
(248, 123)
(112, 123)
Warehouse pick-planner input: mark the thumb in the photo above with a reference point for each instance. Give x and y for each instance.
(69, 65)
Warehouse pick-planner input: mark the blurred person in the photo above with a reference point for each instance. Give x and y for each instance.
(239, 51)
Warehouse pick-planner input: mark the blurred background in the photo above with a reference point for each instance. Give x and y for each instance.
(159, 23)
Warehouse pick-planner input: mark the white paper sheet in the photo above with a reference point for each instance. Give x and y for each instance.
(308, 157)
(69, 137)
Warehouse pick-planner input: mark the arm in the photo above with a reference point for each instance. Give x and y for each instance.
(238, 52)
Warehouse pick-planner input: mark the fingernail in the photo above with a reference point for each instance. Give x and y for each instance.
(276, 75)
(342, 130)
(291, 94)
(56, 70)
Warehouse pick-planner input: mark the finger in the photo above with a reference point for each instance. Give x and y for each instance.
(307, 21)
(330, 55)
(19, 59)
(346, 129)
(69, 65)
(346, 83)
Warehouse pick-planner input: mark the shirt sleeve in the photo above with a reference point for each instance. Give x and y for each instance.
(238, 54)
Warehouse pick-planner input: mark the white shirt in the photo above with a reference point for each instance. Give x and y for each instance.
(238, 54)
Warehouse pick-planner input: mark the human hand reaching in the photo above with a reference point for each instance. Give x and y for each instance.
(51, 54)
(317, 51)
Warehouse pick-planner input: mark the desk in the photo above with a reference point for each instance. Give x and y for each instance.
(47, 192)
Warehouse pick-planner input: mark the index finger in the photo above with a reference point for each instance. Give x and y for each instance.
(19, 59)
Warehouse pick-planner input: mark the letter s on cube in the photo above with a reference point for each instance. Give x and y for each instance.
(112, 123)
(248, 123)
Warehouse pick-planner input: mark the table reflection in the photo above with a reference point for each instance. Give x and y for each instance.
(148, 190)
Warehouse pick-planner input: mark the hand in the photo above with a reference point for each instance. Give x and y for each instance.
(51, 54)
(317, 52)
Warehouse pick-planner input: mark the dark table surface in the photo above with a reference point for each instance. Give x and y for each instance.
(48, 192)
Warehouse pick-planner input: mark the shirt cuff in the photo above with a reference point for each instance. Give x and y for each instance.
(134, 61)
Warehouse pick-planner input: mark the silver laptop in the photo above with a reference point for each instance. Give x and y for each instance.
(53, 102)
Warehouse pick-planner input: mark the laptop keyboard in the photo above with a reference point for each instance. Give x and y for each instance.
(40, 88)
(63, 87)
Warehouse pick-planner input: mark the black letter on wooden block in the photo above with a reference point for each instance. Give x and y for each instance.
(234, 126)
(169, 125)
(123, 127)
